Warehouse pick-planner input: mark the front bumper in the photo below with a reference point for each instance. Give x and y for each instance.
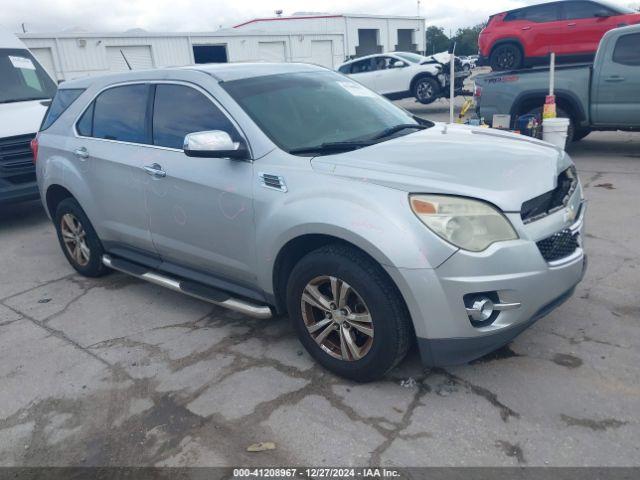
(18, 193)
(514, 271)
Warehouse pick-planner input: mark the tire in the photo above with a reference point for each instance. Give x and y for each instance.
(572, 135)
(507, 56)
(368, 292)
(426, 90)
(580, 133)
(72, 226)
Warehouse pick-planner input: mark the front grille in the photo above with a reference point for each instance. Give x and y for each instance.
(15, 154)
(552, 201)
(558, 245)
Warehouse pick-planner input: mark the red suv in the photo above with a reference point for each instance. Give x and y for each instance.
(571, 28)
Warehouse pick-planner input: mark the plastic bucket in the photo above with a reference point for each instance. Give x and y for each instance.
(555, 130)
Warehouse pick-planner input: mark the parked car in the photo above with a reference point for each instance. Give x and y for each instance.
(289, 188)
(25, 92)
(602, 96)
(572, 29)
(397, 75)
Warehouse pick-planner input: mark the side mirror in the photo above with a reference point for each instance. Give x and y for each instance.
(214, 144)
(398, 64)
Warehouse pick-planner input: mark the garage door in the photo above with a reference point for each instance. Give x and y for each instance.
(271, 51)
(139, 57)
(45, 58)
(322, 53)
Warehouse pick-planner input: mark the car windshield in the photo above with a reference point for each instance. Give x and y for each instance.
(410, 57)
(22, 78)
(306, 110)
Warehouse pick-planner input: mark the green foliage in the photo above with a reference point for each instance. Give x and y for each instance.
(466, 40)
(437, 40)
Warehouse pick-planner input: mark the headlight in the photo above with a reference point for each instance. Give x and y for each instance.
(468, 224)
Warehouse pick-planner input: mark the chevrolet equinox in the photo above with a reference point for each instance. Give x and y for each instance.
(288, 188)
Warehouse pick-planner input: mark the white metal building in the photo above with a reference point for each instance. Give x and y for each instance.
(325, 40)
(363, 34)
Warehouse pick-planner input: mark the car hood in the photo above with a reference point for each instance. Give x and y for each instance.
(21, 118)
(499, 167)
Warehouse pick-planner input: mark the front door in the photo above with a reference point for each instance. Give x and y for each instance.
(391, 79)
(200, 209)
(585, 24)
(616, 84)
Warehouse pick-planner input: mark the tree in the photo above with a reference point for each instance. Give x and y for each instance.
(437, 40)
(467, 39)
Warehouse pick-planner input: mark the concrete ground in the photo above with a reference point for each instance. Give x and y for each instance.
(119, 372)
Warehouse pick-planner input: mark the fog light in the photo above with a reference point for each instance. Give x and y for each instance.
(481, 310)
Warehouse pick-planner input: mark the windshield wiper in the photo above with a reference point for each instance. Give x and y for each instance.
(331, 147)
(397, 128)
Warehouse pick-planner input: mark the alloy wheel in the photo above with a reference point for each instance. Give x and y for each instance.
(424, 91)
(337, 318)
(74, 237)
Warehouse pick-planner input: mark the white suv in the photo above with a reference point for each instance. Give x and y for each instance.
(395, 75)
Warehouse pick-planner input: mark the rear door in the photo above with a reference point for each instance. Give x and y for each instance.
(110, 151)
(585, 24)
(201, 211)
(539, 27)
(616, 84)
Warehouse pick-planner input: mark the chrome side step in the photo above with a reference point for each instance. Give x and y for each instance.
(193, 289)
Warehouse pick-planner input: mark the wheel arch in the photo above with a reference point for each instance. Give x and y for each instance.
(55, 194)
(299, 246)
(566, 100)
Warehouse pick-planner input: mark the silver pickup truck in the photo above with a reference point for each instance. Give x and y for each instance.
(604, 95)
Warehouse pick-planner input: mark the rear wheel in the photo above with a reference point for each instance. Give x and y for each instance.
(507, 56)
(79, 241)
(347, 313)
(426, 90)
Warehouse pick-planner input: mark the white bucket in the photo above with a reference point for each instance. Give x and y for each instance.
(555, 130)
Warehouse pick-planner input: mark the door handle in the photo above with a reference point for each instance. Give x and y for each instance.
(614, 78)
(81, 153)
(571, 24)
(155, 170)
(526, 28)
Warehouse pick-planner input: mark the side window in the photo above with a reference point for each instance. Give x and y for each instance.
(85, 124)
(578, 10)
(179, 110)
(345, 69)
(120, 114)
(627, 51)
(362, 66)
(382, 63)
(542, 13)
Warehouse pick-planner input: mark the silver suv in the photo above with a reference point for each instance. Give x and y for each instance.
(288, 188)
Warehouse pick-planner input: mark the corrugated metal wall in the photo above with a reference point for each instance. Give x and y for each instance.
(80, 55)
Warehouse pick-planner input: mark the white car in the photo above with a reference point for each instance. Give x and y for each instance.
(397, 75)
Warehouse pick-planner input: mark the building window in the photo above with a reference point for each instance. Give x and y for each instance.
(210, 53)
(368, 42)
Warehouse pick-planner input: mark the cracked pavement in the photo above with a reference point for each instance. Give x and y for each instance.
(116, 371)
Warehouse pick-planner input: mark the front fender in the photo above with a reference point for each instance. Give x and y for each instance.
(376, 219)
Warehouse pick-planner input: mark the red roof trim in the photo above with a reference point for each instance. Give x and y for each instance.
(284, 18)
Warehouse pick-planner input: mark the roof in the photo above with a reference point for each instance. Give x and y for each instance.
(223, 72)
(312, 17)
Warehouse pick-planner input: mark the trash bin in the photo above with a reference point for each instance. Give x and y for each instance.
(555, 130)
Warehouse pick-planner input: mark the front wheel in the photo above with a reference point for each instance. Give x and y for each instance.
(426, 90)
(347, 313)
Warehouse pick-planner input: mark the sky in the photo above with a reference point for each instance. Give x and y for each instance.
(206, 15)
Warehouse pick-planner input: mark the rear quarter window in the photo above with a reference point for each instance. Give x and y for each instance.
(62, 100)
